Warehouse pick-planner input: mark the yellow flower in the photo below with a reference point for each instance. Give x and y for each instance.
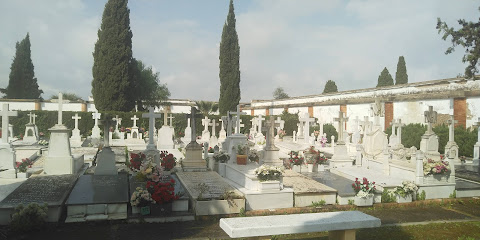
(149, 170)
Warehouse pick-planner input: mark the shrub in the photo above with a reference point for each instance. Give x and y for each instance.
(29, 218)
(330, 130)
(291, 121)
(387, 197)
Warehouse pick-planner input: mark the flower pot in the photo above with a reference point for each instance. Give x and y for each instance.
(405, 199)
(320, 168)
(311, 167)
(362, 202)
(297, 168)
(436, 178)
(222, 169)
(242, 159)
(22, 175)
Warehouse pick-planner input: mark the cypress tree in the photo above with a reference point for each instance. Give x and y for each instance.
(112, 84)
(22, 81)
(385, 79)
(229, 65)
(330, 86)
(401, 76)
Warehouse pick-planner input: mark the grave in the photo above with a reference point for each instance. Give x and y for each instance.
(429, 143)
(280, 126)
(193, 151)
(451, 149)
(213, 139)
(151, 149)
(230, 144)
(117, 139)
(165, 134)
(188, 132)
(59, 159)
(270, 151)
(96, 130)
(375, 142)
(98, 197)
(253, 129)
(259, 135)
(106, 157)
(307, 191)
(134, 139)
(52, 190)
(222, 135)
(7, 153)
(76, 138)
(340, 156)
(31, 132)
(210, 194)
(205, 132)
(306, 120)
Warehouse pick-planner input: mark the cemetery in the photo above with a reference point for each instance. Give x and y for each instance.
(363, 163)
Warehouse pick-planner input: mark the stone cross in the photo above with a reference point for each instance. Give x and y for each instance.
(357, 122)
(269, 128)
(76, 118)
(30, 115)
(260, 118)
(60, 106)
(340, 121)
(451, 128)
(281, 123)
(430, 118)
(151, 115)
(365, 124)
(171, 119)
(34, 116)
(213, 124)
(5, 114)
(96, 115)
(378, 110)
(205, 123)
(165, 116)
(228, 120)
(393, 123)
(254, 123)
(306, 129)
(118, 121)
(241, 126)
(134, 118)
(238, 113)
(222, 119)
(320, 123)
(193, 115)
(399, 130)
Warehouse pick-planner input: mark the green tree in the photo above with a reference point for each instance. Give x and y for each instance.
(401, 76)
(22, 81)
(385, 79)
(229, 65)
(279, 93)
(467, 37)
(147, 88)
(206, 107)
(68, 96)
(112, 84)
(330, 86)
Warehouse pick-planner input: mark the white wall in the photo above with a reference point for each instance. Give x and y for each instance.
(473, 105)
(20, 106)
(413, 112)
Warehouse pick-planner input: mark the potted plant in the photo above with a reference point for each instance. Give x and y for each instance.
(281, 133)
(311, 156)
(405, 192)
(253, 156)
(22, 167)
(435, 171)
(296, 161)
(141, 198)
(242, 154)
(321, 161)
(167, 160)
(221, 158)
(363, 192)
(268, 173)
(163, 193)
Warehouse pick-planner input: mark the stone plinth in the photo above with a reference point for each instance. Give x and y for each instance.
(429, 146)
(7, 156)
(271, 157)
(340, 157)
(165, 135)
(60, 159)
(30, 133)
(193, 161)
(96, 132)
(451, 152)
(106, 162)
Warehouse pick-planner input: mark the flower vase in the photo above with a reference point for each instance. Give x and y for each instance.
(405, 199)
(22, 175)
(364, 201)
(222, 169)
(242, 159)
(297, 168)
(436, 178)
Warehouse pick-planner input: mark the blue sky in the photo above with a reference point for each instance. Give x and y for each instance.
(294, 44)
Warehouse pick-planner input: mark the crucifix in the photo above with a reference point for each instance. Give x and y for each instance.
(451, 128)
(60, 106)
(165, 116)
(241, 126)
(192, 116)
(134, 118)
(340, 121)
(260, 118)
(5, 114)
(269, 128)
(430, 118)
(76, 118)
(30, 115)
(306, 130)
(118, 121)
(238, 113)
(213, 124)
(281, 123)
(33, 117)
(151, 115)
(96, 115)
(171, 119)
(205, 123)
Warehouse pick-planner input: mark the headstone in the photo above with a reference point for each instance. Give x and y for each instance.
(30, 131)
(476, 147)
(429, 143)
(34, 116)
(134, 133)
(118, 121)
(151, 148)
(451, 149)
(259, 134)
(7, 154)
(205, 132)
(340, 156)
(341, 121)
(306, 120)
(59, 159)
(222, 135)
(165, 133)
(188, 132)
(76, 138)
(96, 130)
(213, 138)
(270, 154)
(106, 157)
(193, 151)
(253, 129)
(235, 139)
(378, 110)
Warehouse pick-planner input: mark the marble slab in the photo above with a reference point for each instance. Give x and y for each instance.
(100, 189)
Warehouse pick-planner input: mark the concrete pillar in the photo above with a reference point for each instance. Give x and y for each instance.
(38, 105)
(460, 111)
(388, 114)
(252, 112)
(84, 107)
(310, 111)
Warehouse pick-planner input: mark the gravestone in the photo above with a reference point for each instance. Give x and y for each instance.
(98, 197)
(76, 138)
(429, 143)
(375, 139)
(356, 137)
(451, 149)
(270, 151)
(340, 156)
(59, 159)
(106, 157)
(222, 135)
(253, 129)
(213, 139)
(118, 121)
(281, 125)
(237, 130)
(193, 161)
(151, 148)
(30, 132)
(205, 132)
(165, 133)
(235, 139)
(7, 153)
(188, 132)
(134, 133)
(397, 149)
(52, 190)
(393, 140)
(259, 135)
(476, 147)
(96, 130)
(306, 129)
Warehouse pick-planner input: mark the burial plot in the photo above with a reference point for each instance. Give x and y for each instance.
(98, 197)
(340, 156)
(52, 190)
(7, 154)
(31, 135)
(193, 151)
(165, 134)
(270, 151)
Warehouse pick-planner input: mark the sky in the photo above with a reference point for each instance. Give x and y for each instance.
(295, 44)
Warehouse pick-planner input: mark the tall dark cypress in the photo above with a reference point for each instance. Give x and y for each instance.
(112, 84)
(229, 65)
(22, 81)
(401, 76)
(385, 79)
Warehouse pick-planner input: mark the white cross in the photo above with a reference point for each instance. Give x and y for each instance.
(134, 118)
(213, 124)
(241, 126)
(60, 106)
(5, 114)
(30, 115)
(306, 129)
(205, 123)
(76, 118)
(96, 115)
(151, 115)
(171, 118)
(280, 122)
(238, 113)
(34, 116)
(260, 118)
(165, 116)
(118, 121)
(430, 118)
(340, 121)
